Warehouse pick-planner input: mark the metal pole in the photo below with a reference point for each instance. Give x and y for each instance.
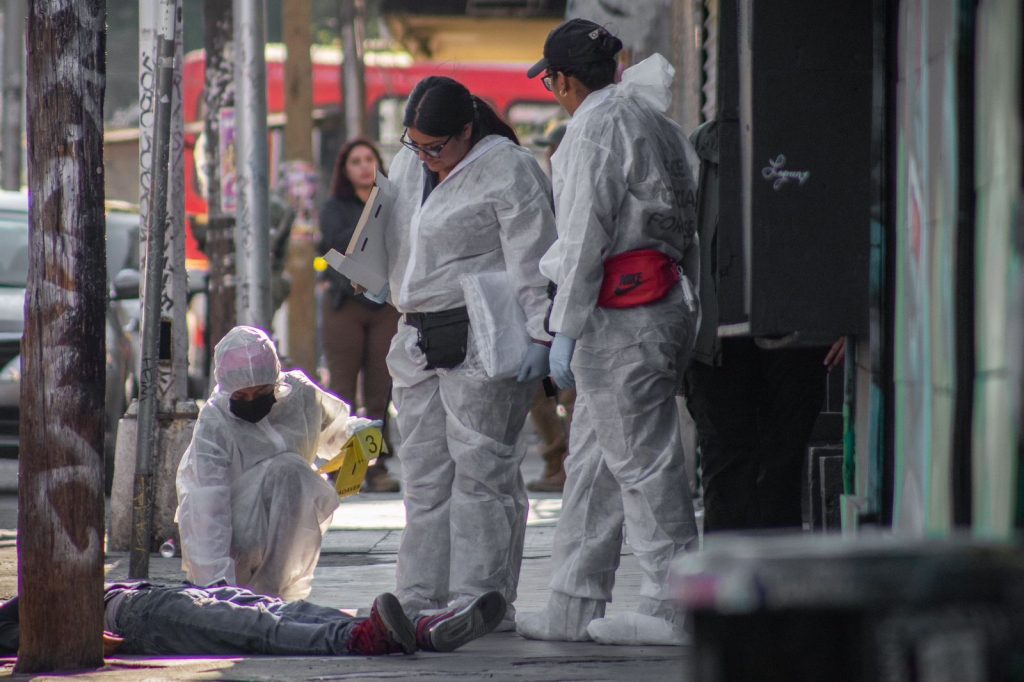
(352, 67)
(174, 370)
(687, 28)
(220, 130)
(173, 421)
(14, 77)
(300, 180)
(252, 234)
(142, 503)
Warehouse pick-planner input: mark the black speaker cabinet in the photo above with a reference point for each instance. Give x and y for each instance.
(802, 159)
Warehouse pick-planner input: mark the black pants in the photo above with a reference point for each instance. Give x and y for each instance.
(754, 415)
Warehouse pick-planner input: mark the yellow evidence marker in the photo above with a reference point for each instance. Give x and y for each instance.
(353, 460)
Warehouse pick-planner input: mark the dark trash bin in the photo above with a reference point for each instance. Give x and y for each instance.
(870, 608)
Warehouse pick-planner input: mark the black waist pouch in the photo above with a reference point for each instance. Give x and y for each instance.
(442, 336)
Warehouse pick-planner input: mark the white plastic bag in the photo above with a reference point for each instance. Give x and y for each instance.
(499, 325)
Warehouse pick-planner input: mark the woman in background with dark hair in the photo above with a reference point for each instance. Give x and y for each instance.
(355, 331)
(470, 201)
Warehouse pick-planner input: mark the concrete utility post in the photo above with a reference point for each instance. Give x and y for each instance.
(352, 32)
(252, 233)
(13, 79)
(299, 177)
(60, 482)
(174, 412)
(153, 324)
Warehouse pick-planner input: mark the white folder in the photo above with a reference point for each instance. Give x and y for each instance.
(365, 260)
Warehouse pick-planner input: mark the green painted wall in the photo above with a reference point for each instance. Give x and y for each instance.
(925, 224)
(999, 307)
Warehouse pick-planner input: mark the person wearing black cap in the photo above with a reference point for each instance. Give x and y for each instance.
(624, 317)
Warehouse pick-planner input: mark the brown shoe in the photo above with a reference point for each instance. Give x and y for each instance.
(553, 478)
(379, 481)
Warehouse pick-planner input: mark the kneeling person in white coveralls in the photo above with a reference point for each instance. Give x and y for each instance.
(251, 508)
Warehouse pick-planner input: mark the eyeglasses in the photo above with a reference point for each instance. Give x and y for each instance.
(548, 82)
(433, 151)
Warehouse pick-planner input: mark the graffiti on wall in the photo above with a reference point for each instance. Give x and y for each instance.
(926, 215)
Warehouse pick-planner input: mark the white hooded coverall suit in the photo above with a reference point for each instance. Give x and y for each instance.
(251, 509)
(624, 179)
(465, 500)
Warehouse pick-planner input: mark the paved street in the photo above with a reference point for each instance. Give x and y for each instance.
(357, 563)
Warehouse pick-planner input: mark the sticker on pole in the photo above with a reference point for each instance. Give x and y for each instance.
(353, 460)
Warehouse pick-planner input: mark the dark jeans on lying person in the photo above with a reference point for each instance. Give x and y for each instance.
(227, 620)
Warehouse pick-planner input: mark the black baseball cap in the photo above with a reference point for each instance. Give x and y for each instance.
(573, 43)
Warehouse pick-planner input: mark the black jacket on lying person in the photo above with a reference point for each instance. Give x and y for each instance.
(10, 621)
(10, 631)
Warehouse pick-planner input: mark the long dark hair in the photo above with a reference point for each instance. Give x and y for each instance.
(441, 106)
(341, 186)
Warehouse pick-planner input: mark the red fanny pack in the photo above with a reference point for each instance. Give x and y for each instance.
(637, 278)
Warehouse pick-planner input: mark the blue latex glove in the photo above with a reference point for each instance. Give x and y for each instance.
(375, 424)
(535, 364)
(560, 357)
(383, 295)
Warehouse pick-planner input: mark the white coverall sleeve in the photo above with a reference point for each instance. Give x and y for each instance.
(591, 193)
(527, 229)
(402, 174)
(204, 504)
(337, 424)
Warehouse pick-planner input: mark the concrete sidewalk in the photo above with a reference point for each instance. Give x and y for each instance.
(358, 563)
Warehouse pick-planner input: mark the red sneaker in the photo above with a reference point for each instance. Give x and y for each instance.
(386, 631)
(449, 630)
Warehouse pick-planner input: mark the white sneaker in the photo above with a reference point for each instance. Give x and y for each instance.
(564, 619)
(636, 629)
(536, 625)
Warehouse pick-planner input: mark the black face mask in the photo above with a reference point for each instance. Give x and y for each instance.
(253, 410)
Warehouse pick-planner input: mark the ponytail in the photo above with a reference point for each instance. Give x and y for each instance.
(487, 122)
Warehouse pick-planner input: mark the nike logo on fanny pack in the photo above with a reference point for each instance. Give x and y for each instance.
(628, 283)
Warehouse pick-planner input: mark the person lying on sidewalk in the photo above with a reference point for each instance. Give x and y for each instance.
(151, 619)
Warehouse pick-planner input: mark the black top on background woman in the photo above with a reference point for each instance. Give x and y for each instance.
(356, 332)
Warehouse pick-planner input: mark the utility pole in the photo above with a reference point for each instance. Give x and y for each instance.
(300, 179)
(252, 232)
(219, 132)
(60, 486)
(13, 78)
(352, 31)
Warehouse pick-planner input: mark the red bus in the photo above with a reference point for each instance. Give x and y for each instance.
(389, 79)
